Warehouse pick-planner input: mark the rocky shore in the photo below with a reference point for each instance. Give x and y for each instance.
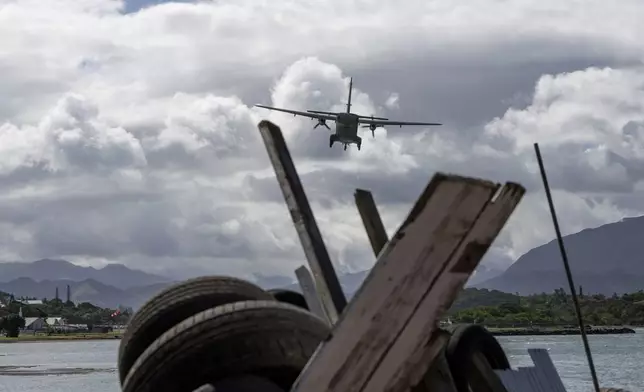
(559, 331)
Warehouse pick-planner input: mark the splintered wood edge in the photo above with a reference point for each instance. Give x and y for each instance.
(457, 194)
(435, 181)
(480, 237)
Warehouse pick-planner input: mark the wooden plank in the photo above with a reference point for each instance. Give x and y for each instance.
(310, 293)
(483, 378)
(327, 283)
(424, 247)
(392, 372)
(532, 379)
(371, 220)
(527, 379)
(439, 377)
(540, 380)
(503, 375)
(544, 364)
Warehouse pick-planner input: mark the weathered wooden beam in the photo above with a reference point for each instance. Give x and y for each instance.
(447, 282)
(309, 291)
(543, 364)
(439, 377)
(483, 378)
(386, 340)
(326, 280)
(371, 220)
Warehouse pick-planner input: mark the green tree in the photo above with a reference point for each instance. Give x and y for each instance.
(11, 325)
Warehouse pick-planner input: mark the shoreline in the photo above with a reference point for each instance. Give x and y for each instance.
(518, 331)
(58, 338)
(554, 331)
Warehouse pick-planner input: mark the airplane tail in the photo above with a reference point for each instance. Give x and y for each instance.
(349, 101)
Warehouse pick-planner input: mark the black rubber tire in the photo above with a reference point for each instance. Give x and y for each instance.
(465, 340)
(175, 304)
(290, 297)
(246, 383)
(267, 339)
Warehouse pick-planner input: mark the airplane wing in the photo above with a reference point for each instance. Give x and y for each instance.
(384, 123)
(298, 113)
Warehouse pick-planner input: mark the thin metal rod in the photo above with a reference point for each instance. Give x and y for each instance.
(327, 283)
(371, 220)
(564, 257)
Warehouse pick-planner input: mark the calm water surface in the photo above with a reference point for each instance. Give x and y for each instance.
(92, 364)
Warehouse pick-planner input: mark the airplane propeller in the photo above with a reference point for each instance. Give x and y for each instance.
(372, 127)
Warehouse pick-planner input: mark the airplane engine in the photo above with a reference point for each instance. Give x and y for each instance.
(373, 127)
(321, 121)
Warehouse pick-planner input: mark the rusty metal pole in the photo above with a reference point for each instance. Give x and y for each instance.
(327, 283)
(564, 259)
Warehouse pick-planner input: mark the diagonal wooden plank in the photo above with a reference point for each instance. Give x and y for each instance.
(396, 375)
(439, 377)
(307, 285)
(543, 363)
(327, 283)
(408, 265)
(371, 220)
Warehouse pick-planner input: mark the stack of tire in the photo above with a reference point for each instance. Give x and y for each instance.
(218, 333)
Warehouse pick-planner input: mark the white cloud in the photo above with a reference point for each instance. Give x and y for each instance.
(133, 137)
(69, 137)
(392, 102)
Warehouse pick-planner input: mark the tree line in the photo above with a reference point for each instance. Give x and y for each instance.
(481, 306)
(496, 309)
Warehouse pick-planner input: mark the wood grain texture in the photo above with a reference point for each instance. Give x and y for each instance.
(309, 291)
(412, 342)
(389, 325)
(326, 280)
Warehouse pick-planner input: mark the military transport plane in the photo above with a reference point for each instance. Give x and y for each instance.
(346, 123)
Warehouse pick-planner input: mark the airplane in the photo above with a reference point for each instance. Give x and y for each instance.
(346, 123)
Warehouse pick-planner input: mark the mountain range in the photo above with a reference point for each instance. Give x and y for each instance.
(605, 260)
(110, 286)
(116, 275)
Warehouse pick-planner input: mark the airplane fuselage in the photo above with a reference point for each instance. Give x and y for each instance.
(346, 129)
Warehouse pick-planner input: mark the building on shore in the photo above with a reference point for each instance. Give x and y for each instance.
(33, 324)
(56, 321)
(31, 301)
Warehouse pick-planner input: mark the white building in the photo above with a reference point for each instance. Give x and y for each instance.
(55, 321)
(35, 323)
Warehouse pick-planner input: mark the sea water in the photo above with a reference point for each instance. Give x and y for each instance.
(90, 366)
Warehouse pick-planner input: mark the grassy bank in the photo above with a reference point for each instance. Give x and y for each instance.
(61, 337)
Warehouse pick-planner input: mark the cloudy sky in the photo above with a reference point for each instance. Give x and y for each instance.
(128, 132)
